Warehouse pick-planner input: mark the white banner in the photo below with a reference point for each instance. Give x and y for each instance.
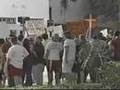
(4, 31)
(56, 30)
(35, 26)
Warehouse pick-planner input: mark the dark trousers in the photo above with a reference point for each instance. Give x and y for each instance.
(11, 81)
(28, 81)
(93, 74)
(79, 78)
(27, 68)
(55, 66)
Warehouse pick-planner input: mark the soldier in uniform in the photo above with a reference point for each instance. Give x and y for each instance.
(97, 57)
(92, 56)
(84, 51)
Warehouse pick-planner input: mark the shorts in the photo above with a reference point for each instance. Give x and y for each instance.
(13, 71)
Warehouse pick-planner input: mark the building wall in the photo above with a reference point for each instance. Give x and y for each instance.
(105, 11)
(75, 11)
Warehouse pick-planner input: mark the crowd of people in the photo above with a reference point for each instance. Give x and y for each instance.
(22, 60)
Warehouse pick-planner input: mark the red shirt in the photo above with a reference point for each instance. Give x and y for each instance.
(116, 47)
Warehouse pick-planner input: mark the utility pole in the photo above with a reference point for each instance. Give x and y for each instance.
(50, 21)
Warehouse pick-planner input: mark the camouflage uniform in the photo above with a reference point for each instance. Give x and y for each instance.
(97, 58)
(91, 56)
(82, 56)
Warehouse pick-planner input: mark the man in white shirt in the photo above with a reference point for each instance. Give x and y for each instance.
(53, 49)
(68, 55)
(15, 57)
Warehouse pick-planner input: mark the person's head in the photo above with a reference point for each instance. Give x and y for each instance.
(117, 34)
(67, 35)
(83, 38)
(45, 36)
(55, 37)
(31, 40)
(99, 35)
(38, 39)
(96, 36)
(14, 40)
(110, 31)
(20, 37)
(2, 41)
(60, 39)
(26, 41)
(77, 41)
(21, 32)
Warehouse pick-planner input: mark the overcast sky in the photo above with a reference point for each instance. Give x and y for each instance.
(33, 8)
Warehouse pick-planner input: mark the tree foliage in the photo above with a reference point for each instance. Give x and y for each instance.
(111, 75)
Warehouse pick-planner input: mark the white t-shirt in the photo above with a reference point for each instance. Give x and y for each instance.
(16, 54)
(54, 50)
(72, 49)
(67, 67)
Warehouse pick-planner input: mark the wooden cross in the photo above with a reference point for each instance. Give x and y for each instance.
(90, 20)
